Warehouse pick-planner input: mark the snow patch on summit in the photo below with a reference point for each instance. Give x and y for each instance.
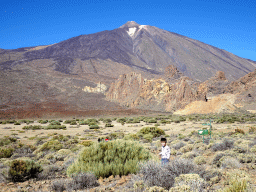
(131, 31)
(142, 26)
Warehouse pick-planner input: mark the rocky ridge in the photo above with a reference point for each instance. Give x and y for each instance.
(132, 90)
(176, 92)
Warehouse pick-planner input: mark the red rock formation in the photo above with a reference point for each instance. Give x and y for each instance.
(242, 84)
(172, 93)
(156, 94)
(220, 75)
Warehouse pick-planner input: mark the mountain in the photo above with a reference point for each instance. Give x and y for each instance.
(76, 74)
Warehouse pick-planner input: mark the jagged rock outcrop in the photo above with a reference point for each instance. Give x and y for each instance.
(100, 88)
(133, 91)
(242, 84)
(215, 85)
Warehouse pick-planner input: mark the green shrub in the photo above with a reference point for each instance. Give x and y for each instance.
(16, 123)
(199, 160)
(237, 181)
(238, 185)
(134, 137)
(119, 135)
(52, 145)
(69, 121)
(107, 121)
(55, 123)
(192, 180)
(155, 131)
(83, 123)
(117, 157)
(6, 152)
(152, 121)
(121, 120)
(7, 140)
(228, 118)
(10, 121)
(148, 137)
(94, 127)
(73, 123)
(32, 127)
(164, 121)
(43, 121)
(133, 120)
(55, 127)
(23, 170)
(109, 125)
(86, 143)
(95, 121)
(177, 119)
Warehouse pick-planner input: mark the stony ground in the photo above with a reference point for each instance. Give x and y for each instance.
(83, 133)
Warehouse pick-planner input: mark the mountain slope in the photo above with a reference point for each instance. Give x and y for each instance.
(142, 48)
(68, 72)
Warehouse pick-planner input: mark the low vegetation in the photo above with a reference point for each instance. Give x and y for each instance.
(123, 152)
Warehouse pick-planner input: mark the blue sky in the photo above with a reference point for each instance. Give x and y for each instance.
(226, 24)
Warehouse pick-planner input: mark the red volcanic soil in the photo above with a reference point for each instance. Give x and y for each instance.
(57, 110)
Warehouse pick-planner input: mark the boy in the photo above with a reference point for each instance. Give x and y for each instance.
(165, 153)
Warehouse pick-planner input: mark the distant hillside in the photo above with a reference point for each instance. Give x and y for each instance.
(68, 72)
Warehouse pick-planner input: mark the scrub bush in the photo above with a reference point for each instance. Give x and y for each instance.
(179, 145)
(21, 170)
(86, 143)
(226, 144)
(155, 131)
(7, 140)
(32, 127)
(154, 174)
(55, 127)
(109, 125)
(83, 181)
(94, 127)
(119, 157)
(6, 152)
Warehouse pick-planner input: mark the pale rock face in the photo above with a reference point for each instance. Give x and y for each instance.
(131, 31)
(100, 88)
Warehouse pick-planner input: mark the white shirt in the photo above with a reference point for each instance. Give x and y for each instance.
(165, 152)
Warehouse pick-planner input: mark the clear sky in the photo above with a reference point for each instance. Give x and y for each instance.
(226, 24)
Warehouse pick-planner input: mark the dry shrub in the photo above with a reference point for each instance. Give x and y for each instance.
(226, 144)
(83, 181)
(230, 162)
(239, 131)
(199, 160)
(194, 181)
(179, 145)
(21, 170)
(164, 176)
(58, 186)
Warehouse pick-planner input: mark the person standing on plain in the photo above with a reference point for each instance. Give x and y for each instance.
(165, 153)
